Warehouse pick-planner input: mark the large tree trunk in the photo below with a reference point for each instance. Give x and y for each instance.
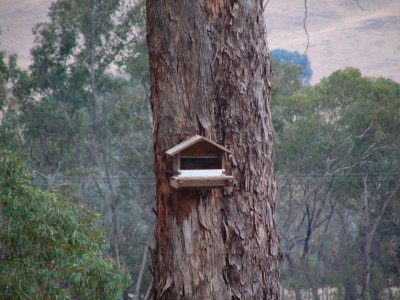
(210, 75)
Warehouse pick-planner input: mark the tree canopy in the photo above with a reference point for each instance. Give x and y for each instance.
(338, 171)
(296, 59)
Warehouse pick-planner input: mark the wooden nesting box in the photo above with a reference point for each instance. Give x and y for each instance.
(199, 162)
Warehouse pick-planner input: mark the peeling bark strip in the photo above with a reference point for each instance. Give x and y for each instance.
(210, 75)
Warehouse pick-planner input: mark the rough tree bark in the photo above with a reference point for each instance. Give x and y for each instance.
(210, 75)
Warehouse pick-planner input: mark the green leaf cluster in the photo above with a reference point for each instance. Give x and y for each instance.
(49, 248)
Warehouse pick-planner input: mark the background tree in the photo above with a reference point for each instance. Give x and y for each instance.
(328, 137)
(12, 80)
(294, 58)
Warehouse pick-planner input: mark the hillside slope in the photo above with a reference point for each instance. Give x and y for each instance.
(17, 19)
(341, 34)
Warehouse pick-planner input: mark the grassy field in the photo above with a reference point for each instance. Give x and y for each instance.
(341, 34)
(17, 19)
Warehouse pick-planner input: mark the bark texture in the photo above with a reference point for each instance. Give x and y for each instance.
(210, 76)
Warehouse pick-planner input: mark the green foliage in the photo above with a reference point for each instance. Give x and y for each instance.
(50, 249)
(285, 79)
(12, 81)
(9, 74)
(3, 80)
(343, 106)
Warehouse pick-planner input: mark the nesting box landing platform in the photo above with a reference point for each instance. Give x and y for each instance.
(199, 162)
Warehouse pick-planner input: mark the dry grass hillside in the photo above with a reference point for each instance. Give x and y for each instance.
(17, 18)
(341, 34)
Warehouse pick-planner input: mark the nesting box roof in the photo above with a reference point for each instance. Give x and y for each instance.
(190, 142)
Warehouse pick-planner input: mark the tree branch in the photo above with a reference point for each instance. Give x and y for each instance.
(305, 26)
(359, 5)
